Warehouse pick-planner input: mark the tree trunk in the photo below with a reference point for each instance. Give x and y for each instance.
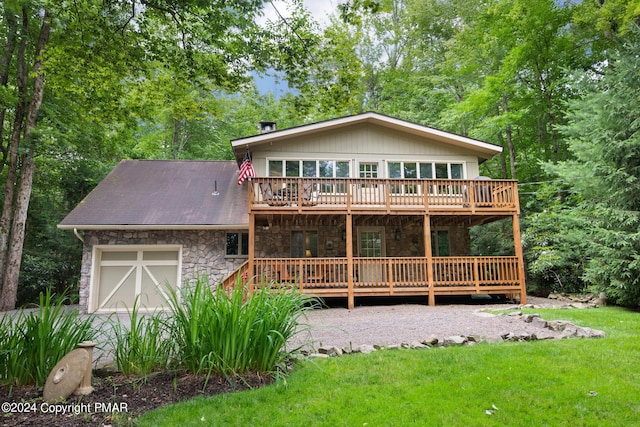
(12, 265)
(12, 269)
(5, 60)
(13, 146)
(175, 141)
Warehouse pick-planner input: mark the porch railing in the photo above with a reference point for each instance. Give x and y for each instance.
(317, 274)
(354, 193)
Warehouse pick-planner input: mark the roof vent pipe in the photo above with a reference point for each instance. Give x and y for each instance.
(267, 127)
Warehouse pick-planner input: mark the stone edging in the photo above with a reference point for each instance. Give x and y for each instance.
(555, 329)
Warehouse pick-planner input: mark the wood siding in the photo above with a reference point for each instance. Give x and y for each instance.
(364, 143)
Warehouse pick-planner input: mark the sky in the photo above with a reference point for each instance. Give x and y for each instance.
(319, 9)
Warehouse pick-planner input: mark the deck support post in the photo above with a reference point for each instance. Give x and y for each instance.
(349, 252)
(251, 249)
(429, 255)
(518, 250)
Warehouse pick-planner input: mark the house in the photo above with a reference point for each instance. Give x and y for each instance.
(364, 205)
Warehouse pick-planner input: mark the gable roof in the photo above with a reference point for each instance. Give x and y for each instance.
(489, 150)
(164, 194)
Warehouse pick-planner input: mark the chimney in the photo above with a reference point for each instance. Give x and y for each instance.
(267, 127)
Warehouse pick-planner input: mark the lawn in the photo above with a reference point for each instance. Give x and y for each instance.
(593, 382)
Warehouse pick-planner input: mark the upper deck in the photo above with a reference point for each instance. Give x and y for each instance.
(383, 196)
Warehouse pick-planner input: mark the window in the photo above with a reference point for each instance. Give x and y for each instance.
(309, 168)
(440, 243)
(237, 244)
(304, 244)
(368, 170)
(275, 167)
(292, 167)
(425, 170)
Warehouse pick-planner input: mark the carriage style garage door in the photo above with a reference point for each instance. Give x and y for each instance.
(123, 273)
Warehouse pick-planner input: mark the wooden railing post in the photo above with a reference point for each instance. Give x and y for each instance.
(347, 190)
(429, 256)
(476, 275)
(301, 274)
(472, 196)
(300, 194)
(518, 249)
(350, 272)
(251, 249)
(387, 196)
(390, 275)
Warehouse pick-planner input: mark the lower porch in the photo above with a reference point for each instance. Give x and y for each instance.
(406, 276)
(382, 255)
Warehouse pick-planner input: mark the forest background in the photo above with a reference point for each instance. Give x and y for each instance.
(86, 83)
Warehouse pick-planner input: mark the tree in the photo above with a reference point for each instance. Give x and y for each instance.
(92, 52)
(603, 133)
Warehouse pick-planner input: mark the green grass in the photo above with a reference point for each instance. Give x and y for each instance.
(592, 382)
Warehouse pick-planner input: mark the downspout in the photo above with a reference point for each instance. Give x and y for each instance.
(75, 231)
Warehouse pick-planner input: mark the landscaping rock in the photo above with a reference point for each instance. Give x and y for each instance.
(364, 348)
(417, 345)
(558, 325)
(590, 333)
(545, 334)
(455, 340)
(581, 301)
(318, 356)
(539, 322)
(492, 339)
(330, 351)
(528, 318)
(432, 341)
(474, 339)
(543, 330)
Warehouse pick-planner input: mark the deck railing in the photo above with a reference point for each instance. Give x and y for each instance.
(353, 193)
(331, 274)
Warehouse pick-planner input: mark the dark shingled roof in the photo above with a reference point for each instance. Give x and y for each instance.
(159, 193)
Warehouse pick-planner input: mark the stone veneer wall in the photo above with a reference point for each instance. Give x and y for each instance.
(275, 242)
(203, 252)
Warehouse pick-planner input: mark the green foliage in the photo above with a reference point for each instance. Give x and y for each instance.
(51, 258)
(555, 243)
(140, 345)
(232, 331)
(32, 342)
(493, 239)
(604, 136)
(531, 384)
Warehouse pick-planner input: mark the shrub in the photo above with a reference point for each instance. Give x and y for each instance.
(142, 347)
(32, 342)
(233, 331)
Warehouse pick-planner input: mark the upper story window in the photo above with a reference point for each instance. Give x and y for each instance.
(309, 168)
(425, 170)
(368, 170)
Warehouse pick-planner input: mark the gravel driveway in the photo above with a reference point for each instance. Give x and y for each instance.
(397, 324)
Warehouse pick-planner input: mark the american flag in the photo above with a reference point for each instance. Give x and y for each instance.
(246, 169)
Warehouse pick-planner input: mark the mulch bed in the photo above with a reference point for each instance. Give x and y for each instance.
(116, 399)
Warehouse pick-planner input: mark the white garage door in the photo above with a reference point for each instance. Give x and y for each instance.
(124, 273)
